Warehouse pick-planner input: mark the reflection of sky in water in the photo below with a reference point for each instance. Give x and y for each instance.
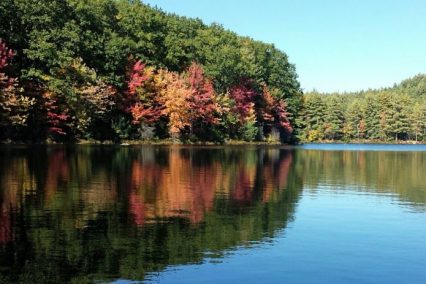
(336, 237)
(364, 147)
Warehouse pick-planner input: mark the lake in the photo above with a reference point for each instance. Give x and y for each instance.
(246, 214)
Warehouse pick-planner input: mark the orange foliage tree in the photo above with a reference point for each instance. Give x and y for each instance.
(175, 96)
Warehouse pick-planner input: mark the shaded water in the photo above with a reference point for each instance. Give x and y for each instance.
(87, 214)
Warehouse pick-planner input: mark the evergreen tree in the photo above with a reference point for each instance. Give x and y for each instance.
(418, 120)
(334, 117)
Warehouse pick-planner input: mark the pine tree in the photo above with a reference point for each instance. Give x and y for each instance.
(354, 121)
(313, 113)
(334, 118)
(418, 120)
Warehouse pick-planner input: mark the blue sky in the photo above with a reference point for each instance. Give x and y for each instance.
(336, 45)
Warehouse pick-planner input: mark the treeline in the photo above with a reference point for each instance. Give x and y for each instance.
(392, 114)
(122, 70)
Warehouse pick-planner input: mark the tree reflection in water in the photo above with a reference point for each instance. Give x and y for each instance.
(85, 213)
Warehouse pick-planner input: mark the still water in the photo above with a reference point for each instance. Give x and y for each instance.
(152, 214)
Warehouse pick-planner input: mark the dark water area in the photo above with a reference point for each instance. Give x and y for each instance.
(169, 214)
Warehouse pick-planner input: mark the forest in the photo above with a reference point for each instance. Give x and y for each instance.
(387, 115)
(114, 70)
(121, 70)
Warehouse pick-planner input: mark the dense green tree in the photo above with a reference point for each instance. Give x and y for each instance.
(414, 87)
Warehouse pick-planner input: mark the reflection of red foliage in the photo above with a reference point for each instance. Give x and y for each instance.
(202, 190)
(183, 189)
(181, 185)
(276, 178)
(242, 192)
(179, 191)
(188, 191)
(143, 176)
(5, 228)
(137, 207)
(283, 170)
(9, 201)
(58, 171)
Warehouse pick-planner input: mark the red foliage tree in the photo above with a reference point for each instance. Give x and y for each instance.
(57, 117)
(274, 112)
(143, 113)
(282, 117)
(6, 54)
(244, 95)
(243, 188)
(137, 77)
(202, 100)
(142, 95)
(14, 105)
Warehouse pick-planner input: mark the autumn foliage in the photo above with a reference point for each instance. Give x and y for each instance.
(275, 112)
(202, 100)
(14, 106)
(75, 102)
(123, 70)
(244, 96)
(56, 115)
(191, 107)
(6, 54)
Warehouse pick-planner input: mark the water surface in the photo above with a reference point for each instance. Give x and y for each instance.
(87, 214)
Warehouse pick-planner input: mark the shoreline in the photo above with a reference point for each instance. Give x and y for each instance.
(180, 143)
(146, 142)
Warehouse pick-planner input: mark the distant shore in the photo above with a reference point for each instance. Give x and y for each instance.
(401, 142)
